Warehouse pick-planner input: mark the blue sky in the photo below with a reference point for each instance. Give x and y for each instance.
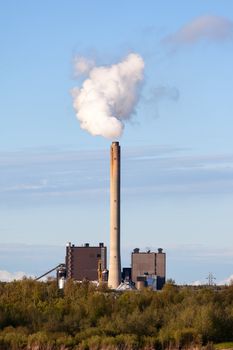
(177, 157)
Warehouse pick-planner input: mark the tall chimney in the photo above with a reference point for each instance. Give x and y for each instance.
(114, 278)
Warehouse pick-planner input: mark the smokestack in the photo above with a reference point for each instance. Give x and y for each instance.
(114, 278)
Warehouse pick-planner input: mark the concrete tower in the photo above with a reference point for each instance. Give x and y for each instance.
(114, 278)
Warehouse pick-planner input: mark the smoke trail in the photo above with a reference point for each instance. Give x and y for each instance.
(209, 27)
(108, 96)
(83, 65)
(163, 92)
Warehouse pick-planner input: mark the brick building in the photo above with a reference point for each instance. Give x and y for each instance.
(85, 262)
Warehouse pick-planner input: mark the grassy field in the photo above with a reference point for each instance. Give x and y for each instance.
(221, 346)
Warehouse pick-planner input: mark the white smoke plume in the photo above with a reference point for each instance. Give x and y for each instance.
(108, 96)
(209, 27)
(83, 65)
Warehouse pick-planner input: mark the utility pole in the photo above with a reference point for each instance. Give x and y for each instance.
(211, 279)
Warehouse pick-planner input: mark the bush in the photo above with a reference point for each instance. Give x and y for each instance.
(41, 340)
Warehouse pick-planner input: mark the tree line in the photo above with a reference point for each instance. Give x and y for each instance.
(35, 315)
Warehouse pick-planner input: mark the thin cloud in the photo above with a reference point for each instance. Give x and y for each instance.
(227, 281)
(26, 187)
(198, 283)
(209, 28)
(200, 252)
(30, 260)
(40, 178)
(6, 276)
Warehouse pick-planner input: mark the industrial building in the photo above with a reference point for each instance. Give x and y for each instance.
(148, 268)
(90, 262)
(86, 262)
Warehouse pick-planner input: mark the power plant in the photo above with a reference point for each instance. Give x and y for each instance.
(90, 262)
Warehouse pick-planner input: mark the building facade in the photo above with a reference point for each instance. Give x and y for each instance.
(149, 267)
(86, 262)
